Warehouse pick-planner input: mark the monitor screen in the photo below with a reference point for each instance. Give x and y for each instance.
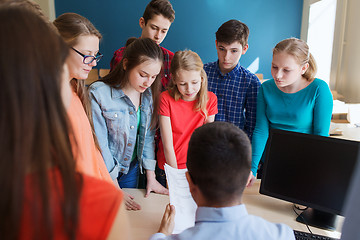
(310, 170)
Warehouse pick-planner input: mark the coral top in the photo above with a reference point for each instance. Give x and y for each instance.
(184, 120)
(88, 158)
(99, 205)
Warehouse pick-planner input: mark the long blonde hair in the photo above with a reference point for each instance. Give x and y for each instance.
(300, 51)
(71, 26)
(189, 61)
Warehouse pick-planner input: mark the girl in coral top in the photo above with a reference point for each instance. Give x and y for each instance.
(186, 106)
(83, 41)
(43, 196)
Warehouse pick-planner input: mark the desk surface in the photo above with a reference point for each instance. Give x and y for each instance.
(348, 131)
(146, 221)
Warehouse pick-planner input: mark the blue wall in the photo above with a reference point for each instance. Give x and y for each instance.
(195, 25)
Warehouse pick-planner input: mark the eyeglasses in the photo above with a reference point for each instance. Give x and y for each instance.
(89, 58)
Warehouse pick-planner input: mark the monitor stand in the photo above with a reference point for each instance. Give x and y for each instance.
(319, 219)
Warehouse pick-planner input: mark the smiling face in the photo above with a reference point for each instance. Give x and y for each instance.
(156, 28)
(287, 72)
(87, 45)
(143, 75)
(188, 83)
(229, 55)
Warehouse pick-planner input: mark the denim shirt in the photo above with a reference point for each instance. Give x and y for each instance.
(115, 124)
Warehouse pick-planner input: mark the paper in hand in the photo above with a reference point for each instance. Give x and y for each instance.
(181, 198)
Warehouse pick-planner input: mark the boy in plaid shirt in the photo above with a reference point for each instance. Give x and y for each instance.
(235, 87)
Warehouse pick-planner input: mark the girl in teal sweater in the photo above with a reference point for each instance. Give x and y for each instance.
(294, 100)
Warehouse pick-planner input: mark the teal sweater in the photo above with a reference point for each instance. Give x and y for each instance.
(307, 111)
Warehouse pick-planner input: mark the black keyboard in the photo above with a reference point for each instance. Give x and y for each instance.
(299, 235)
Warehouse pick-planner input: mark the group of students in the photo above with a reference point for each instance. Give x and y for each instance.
(68, 148)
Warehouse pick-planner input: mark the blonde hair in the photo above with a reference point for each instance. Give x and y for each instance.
(189, 61)
(300, 51)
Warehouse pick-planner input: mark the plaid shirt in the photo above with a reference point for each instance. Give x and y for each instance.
(168, 56)
(237, 95)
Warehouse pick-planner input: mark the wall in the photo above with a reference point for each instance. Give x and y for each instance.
(47, 7)
(348, 72)
(195, 25)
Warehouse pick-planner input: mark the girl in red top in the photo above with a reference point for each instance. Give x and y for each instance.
(184, 107)
(43, 196)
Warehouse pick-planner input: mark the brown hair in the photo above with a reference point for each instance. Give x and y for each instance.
(34, 126)
(71, 26)
(219, 161)
(300, 51)
(138, 51)
(189, 61)
(159, 7)
(231, 31)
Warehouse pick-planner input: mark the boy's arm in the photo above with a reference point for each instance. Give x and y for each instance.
(167, 223)
(250, 107)
(167, 140)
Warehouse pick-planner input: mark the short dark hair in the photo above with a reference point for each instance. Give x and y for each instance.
(159, 7)
(219, 161)
(231, 31)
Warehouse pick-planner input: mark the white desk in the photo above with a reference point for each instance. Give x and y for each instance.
(146, 221)
(348, 131)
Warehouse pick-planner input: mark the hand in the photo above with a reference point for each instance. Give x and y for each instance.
(167, 223)
(130, 204)
(251, 180)
(153, 185)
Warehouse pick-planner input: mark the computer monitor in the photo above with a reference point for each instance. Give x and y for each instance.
(309, 170)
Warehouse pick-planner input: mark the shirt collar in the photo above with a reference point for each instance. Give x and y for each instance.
(117, 93)
(233, 73)
(210, 214)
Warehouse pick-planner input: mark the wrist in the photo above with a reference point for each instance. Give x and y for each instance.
(150, 174)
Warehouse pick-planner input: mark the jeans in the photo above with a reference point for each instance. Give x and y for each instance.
(130, 180)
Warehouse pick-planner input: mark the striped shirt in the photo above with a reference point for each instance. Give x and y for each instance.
(237, 95)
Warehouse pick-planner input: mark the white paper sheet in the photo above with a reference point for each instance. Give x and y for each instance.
(181, 198)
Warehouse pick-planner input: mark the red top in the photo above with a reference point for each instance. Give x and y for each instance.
(184, 120)
(168, 56)
(99, 204)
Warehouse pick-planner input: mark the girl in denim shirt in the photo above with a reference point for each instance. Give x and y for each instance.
(124, 107)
